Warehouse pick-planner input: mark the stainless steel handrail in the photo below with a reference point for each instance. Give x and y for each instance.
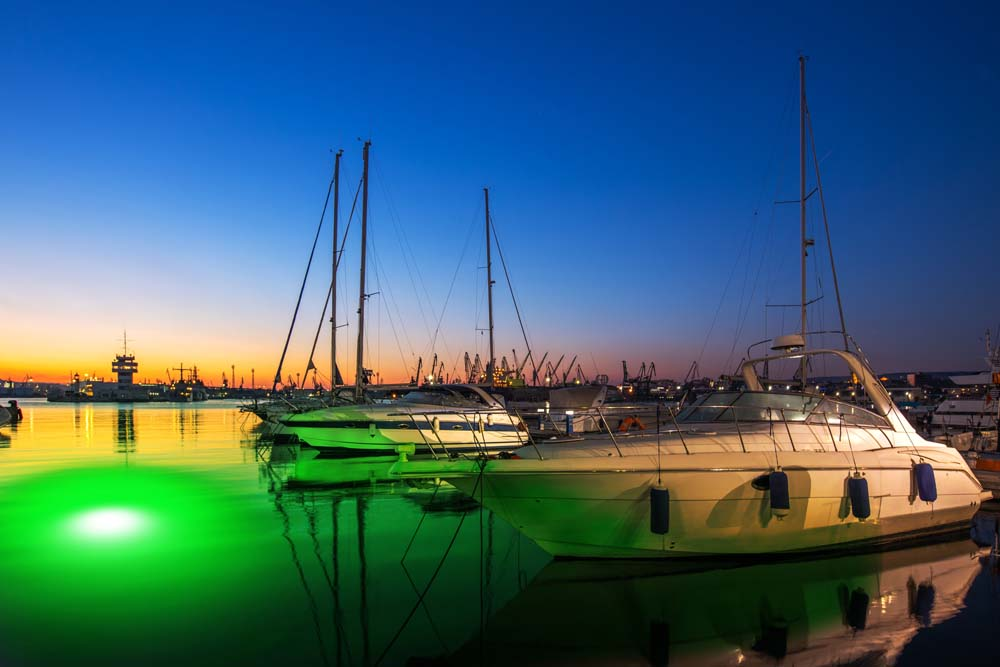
(788, 430)
(424, 437)
(613, 441)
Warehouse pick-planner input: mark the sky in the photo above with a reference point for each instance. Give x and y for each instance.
(164, 167)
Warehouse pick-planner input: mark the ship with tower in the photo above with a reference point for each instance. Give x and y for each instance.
(124, 389)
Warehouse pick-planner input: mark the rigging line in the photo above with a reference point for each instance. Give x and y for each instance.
(390, 301)
(392, 324)
(454, 278)
(826, 225)
(391, 297)
(354, 205)
(284, 351)
(407, 251)
(329, 294)
(437, 570)
(753, 291)
(513, 298)
(725, 291)
(409, 577)
(763, 185)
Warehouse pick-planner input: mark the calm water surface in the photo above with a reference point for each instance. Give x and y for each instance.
(165, 534)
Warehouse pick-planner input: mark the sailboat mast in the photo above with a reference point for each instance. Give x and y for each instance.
(360, 371)
(333, 280)
(489, 287)
(802, 201)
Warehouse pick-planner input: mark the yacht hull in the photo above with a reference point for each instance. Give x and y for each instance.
(428, 433)
(600, 508)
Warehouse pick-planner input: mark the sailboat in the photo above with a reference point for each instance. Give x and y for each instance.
(435, 420)
(736, 473)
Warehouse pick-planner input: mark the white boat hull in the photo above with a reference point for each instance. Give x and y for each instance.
(593, 508)
(428, 432)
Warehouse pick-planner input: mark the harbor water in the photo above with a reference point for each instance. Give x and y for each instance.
(165, 534)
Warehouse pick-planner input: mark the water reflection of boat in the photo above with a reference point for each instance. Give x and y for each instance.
(860, 609)
(353, 551)
(315, 471)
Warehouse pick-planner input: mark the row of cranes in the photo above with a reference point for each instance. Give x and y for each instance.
(506, 374)
(544, 373)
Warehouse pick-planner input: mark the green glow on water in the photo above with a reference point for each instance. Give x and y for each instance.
(110, 523)
(151, 549)
(172, 541)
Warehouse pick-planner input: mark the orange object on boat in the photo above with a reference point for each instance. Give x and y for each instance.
(629, 423)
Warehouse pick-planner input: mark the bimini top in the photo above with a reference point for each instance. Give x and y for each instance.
(882, 402)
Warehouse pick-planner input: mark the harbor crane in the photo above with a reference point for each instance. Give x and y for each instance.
(434, 368)
(555, 369)
(519, 367)
(534, 371)
(569, 369)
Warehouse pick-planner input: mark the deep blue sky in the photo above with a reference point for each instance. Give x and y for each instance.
(163, 169)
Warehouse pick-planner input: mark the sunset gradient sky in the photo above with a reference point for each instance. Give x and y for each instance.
(164, 167)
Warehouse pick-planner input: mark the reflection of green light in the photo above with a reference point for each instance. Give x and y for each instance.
(109, 523)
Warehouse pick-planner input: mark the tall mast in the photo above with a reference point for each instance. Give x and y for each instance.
(489, 287)
(333, 283)
(360, 371)
(802, 202)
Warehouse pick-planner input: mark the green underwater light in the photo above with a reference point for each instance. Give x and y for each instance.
(110, 523)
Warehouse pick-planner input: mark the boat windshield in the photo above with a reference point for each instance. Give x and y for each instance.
(756, 406)
(453, 397)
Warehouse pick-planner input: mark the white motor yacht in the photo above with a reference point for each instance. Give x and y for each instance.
(441, 420)
(746, 472)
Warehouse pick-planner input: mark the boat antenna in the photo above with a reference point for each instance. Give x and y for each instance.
(359, 377)
(489, 287)
(334, 376)
(802, 202)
